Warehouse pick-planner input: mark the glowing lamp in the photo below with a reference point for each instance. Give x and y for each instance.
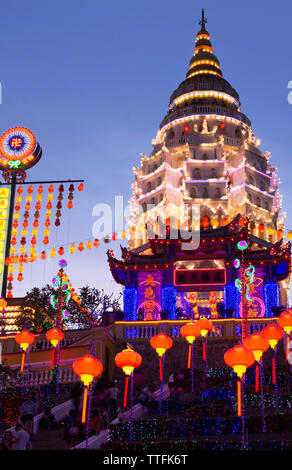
(289, 235)
(128, 360)
(24, 339)
(190, 332)
(3, 303)
(258, 344)
(205, 326)
(285, 321)
(161, 343)
(54, 336)
(87, 368)
(273, 334)
(239, 358)
(242, 245)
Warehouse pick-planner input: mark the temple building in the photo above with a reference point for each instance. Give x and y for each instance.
(206, 154)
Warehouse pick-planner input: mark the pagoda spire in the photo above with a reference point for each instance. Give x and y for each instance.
(204, 61)
(203, 21)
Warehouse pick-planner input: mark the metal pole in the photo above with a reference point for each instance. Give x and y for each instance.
(8, 234)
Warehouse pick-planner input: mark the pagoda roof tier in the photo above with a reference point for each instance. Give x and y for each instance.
(215, 244)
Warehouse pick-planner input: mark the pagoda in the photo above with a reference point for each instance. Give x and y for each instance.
(206, 155)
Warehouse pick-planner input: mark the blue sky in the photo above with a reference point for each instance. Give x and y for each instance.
(92, 80)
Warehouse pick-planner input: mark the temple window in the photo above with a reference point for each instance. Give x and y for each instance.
(217, 193)
(196, 174)
(205, 156)
(213, 173)
(258, 202)
(194, 192)
(205, 193)
(149, 187)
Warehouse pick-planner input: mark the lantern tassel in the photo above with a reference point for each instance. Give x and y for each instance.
(83, 420)
(22, 362)
(257, 376)
(274, 370)
(239, 398)
(126, 391)
(189, 356)
(53, 358)
(204, 350)
(160, 369)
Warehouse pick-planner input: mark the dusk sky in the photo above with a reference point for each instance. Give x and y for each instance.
(93, 79)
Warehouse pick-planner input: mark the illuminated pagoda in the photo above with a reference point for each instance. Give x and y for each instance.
(205, 153)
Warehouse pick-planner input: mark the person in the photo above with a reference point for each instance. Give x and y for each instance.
(102, 398)
(143, 396)
(8, 441)
(28, 410)
(96, 423)
(22, 438)
(105, 416)
(70, 426)
(48, 420)
(76, 393)
(171, 381)
(113, 396)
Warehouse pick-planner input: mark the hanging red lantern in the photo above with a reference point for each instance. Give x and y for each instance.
(24, 339)
(161, 343)
(87, 368)
(258, 344)
(190, 332)
(285, 321)
(205, 222)
(205, 326)
(80, 246)
(239, 358)
(127, 360)
(81, 187)
(273, 334)
(96, 242)
(43, 255)
(61, 251)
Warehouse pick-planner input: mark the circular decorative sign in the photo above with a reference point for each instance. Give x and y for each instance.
(18, 149)
(255, 308)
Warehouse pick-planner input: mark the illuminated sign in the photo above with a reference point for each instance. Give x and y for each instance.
(150, 294)
(199, 277)
(18, 149)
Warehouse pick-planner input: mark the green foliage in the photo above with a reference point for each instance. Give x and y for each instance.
(38, 315)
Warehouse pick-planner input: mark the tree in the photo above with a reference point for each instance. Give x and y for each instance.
(37, 313)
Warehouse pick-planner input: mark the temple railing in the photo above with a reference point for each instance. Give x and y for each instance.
(37, 377)
(223, 328)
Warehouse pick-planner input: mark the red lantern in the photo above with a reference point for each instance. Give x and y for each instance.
(128, 360)
(190, 332)
(87, 367)
(54, 336)
(24, 339)
(239, 358)
(161, 343)
(205, 326)
(205, 222)
(285, 321)
(273, 334)
(258, 344)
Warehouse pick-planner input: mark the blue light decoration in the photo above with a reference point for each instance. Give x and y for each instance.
(130, 303)
(168, 301)
(271, 297)
(232, 298)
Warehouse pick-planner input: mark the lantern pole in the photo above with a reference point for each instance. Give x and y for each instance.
(244, 322)
(262, 393)
(8, 233)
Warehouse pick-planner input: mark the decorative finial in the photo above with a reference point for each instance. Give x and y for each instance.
(203, 21)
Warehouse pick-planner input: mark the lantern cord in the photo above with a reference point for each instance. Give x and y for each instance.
(189, 356)
(257, 378)
(160, 370)
(192, 359)
(126, 391)
(22, 362)
(84, 405)
(239, 398)
(273, 371)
